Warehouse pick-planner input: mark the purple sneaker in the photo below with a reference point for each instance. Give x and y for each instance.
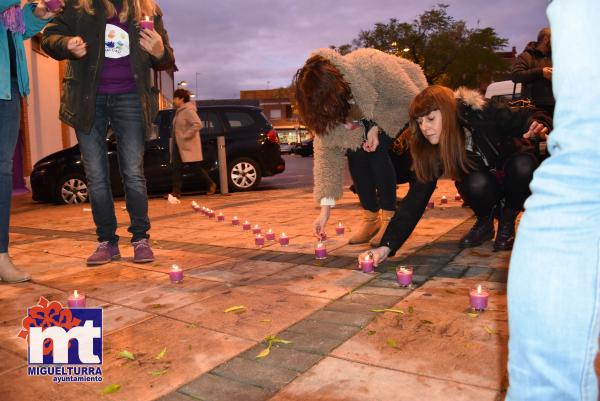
(104, 254)
(142, 253)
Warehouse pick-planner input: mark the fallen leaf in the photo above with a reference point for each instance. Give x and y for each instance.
(266, 321)
(279, 340)
(392, 343)
(236, 309)
(161, 354)
(156, 306)
(111, 388)
(426, 322)
(451, 291)
(490, 330)
(411, 309)
(401, 312)
(191, 326)
(158, 372)
(473, 315)
(189, 347)
(127, 355)
(371, 332)
(264, 352)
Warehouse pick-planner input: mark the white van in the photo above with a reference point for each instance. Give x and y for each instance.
(503, 90)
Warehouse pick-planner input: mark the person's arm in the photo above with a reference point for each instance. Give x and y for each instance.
(167, 60)
(517, 121)
(4, 4)
(194, 124)
(58, 33)
(522, 72)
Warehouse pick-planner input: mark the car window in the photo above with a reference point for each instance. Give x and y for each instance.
(238, 119)
(210, 123)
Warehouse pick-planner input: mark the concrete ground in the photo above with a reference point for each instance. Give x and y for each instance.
(342, 345)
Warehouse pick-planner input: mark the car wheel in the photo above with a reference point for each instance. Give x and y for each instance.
(73, 189)
(244, 174)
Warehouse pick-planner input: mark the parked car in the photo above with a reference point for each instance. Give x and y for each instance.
(503, 90)
(304, 148)
(252, 149)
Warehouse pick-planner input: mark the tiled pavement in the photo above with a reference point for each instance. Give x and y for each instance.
(340, 349)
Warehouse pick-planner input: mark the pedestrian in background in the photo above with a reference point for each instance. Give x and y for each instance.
(553, 279)
(108, 81)
(185, 143)
(533, 70)
(16, 25)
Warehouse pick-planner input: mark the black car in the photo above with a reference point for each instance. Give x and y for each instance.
(304, 148)
(252, 148)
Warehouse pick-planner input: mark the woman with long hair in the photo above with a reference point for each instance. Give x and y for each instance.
(473, 141)
(108, 81)
(356, 104)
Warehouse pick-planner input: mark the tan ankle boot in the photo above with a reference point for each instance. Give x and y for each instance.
(9, 273)
(386, 216)
(369, 227)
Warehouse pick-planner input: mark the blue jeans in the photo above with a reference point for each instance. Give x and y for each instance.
(10, 120)
(554, 285)
(124, 114)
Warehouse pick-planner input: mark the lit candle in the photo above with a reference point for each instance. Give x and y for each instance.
(176, 274)
(147, 23)
(259, 240)
(444, 200)
(195, 207)
(320, 251)
(246, 225)
(339, 229)
(284, 240)
(256, 229)
(404, 276)
(211, 214)
(430, 205)
(221, 217)
(76, 300)
(270, 235)
(235, 221)
(478, 298)
(367, 264)
(53, 5)
(204, 210)
(457, 197)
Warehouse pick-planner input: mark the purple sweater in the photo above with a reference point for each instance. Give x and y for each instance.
(116, 76)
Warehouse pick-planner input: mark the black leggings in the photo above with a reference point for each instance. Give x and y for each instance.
(481, 189)
(374, 176)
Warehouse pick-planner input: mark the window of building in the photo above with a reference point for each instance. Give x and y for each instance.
(275, 114)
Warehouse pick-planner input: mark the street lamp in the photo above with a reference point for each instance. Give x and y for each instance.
(182, 84)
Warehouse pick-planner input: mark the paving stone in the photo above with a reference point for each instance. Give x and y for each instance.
(251, 372)
(341, 318)
(499, 276)
(289, 358)
(482, 273)
(384, 291)
(384, 283)
(371, 299)
(325, 329)
(342, 262)
(210, 387)
(452, 271)
(176, 397)
(309, 343)
(355, 307)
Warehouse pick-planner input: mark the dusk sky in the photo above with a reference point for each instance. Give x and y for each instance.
(250, 44)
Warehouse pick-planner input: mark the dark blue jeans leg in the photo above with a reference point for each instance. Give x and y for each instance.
(10, 113)
(127, 120)
(95, 162)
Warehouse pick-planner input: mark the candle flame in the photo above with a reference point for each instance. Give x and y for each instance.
(320, 245)
(246, 222)
(235, 217)
(75, 294)
(175, 267)
(256, 226)
(479, 289)
(146, 18)
(283, 235)
(270, 231)
(367, 258)
(258, 236)
(340, 224)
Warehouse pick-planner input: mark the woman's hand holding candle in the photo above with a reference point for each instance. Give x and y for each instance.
(379, 254)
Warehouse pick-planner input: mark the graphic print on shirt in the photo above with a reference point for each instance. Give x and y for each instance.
(116, 42)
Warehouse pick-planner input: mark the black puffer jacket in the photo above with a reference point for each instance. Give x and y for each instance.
(80, 82)
(494, 127)
(527, 70)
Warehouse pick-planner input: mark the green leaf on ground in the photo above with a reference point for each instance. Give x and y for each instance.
(236, 309)
(401, 312)
(279, 341)
(411, 309)
(162, 353)
(490, 330)
(127, 355)
(426, 322)
(392, 343)
(472, 315)
(111, 388)
(371, 332)
(191, 326)
(264, 352)
(159, 372)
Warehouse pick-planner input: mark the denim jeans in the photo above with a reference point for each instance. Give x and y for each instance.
(10, 120)
(554, 285)
(124, 114)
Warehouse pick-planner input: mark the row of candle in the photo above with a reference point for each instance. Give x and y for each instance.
(443, 201)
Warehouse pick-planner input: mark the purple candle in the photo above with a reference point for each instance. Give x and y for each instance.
(53, 5)
(479, 299)
(147, 23)
(430, 205)
(235, 221)
(404, 276)
(339, 229)
(176, 274)
(444, 200)
(284, 240)
(256, 229)
(246, 226)
(76, 300)
(221, 217)
(259, 240)
(457, 197)
(320, 251)
(270, 235)
(204, 210)
(367, 264)
(211, 214)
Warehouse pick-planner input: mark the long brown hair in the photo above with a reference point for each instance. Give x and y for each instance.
(450, 154)
(322, 95)
(140, 8)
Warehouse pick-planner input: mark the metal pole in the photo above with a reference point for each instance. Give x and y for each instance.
(197, 83)
(224, 183)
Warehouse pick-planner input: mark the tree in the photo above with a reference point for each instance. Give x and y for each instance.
(449, 53)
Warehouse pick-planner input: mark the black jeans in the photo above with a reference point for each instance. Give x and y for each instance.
(482, 190)
(177, 166)
(374, 176)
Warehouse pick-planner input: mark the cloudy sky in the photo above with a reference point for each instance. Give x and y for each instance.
(238, 45)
